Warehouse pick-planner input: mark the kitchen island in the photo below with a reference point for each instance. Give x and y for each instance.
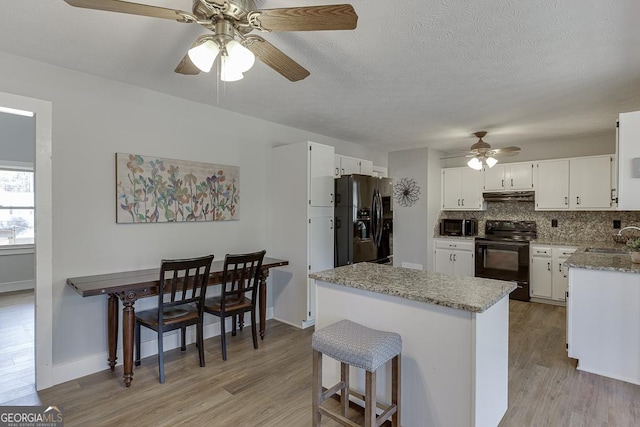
(603, 313)
(454, 332)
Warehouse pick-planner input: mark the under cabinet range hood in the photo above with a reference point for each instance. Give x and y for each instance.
(509, 196)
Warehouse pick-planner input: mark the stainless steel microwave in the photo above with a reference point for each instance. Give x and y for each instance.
(458, 227)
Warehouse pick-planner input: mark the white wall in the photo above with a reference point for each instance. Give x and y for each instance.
(94, 118)
(413, 226)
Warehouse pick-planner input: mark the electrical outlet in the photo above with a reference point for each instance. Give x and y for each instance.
(616, 224)
(554, 222)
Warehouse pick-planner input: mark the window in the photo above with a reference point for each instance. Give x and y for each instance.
(16, 207)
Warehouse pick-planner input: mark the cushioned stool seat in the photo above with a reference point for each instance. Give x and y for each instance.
(356, 345)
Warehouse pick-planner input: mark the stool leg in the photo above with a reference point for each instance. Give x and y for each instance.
(344, 397)
(370, 400)
(317, 387)
(395, 389)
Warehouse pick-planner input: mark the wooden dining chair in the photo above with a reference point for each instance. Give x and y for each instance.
(181, 295)
(239, 293)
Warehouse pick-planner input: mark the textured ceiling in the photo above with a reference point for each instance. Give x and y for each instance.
(414, 73)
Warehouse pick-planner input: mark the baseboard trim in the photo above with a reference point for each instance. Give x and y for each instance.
(21, 285)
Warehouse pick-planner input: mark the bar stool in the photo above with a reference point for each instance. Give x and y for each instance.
(356, 345)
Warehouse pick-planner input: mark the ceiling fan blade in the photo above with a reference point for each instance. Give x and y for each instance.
(311, 18)
(506, 149)
(187, 67)
(504, 152)
(133, 9)
(275, 58)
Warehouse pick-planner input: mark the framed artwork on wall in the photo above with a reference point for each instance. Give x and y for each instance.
(155, 189)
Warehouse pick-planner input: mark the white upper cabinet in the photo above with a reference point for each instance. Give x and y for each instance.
(575, 184)
(321, 185)
(590, 184)
(366, 167)
(344, 165)
(628, 151)
(552, 185)
(462, 189)
(517, 176)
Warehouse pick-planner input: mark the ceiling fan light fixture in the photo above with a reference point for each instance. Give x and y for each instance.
(204, 55)
(239, 57)
(475, 163)
(229, 73)
(491, 162)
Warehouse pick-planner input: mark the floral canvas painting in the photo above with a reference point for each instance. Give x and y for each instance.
(154, 189)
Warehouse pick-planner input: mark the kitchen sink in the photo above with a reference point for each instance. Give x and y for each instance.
(607, 251)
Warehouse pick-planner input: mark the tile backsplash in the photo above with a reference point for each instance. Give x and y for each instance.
(572, 225)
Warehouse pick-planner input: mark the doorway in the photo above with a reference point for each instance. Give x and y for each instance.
(43, 234)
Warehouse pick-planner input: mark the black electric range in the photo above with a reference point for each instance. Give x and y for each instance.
(503, 253)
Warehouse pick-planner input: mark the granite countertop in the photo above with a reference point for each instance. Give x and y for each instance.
(596, 261)
(460, 292)
(588, 260)
(437, 236)
(606, 262)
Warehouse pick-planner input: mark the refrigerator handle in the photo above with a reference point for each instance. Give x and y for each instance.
(378, 217)
(374, 224)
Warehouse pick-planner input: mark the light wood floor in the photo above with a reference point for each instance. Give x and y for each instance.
(271, 386)
(17, 372)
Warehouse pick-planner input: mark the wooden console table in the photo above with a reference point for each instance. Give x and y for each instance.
(130, 285)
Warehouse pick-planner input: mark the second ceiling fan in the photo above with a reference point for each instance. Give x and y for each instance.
(230, 22)
(482, 153)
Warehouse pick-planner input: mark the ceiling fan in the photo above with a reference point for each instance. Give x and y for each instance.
(482, 152)
(230, 22)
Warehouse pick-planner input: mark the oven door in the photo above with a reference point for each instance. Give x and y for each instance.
(502, 260)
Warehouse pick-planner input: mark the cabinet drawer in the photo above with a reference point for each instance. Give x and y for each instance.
(458, 245)
(564, 252)
(543, 251)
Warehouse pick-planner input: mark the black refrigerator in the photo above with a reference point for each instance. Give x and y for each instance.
(364, 220)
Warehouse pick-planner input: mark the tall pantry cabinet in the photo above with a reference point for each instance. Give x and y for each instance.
(302, 198)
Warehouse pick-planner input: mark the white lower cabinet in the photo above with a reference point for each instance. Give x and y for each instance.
(454, 256)
(548, 275)
(320, 254)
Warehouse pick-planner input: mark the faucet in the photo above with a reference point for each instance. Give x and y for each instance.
(627, 228)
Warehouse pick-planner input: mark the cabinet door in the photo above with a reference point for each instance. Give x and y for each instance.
(540, 277)
(320, 252)
(321, 171)
(451, 185)
(519, 177)
(336, 166)
(471, 189)
(444, 261)
(366, 167)
(560, 272)
(552, 185)
(590, 180)
(560, 279)
(349, 165)
(463, 263)
(494, 178)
